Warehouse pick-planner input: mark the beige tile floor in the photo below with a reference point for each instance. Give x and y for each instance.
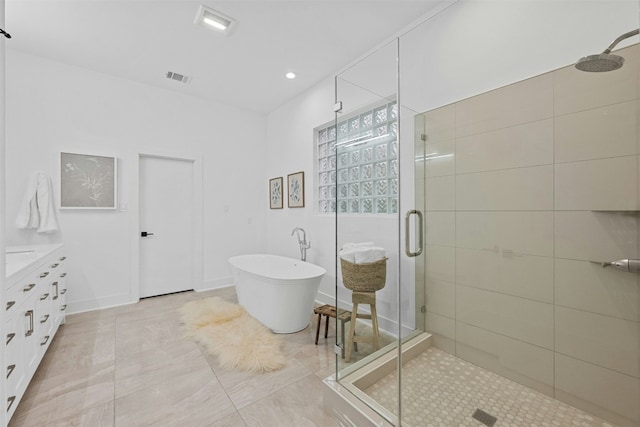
(130, 366)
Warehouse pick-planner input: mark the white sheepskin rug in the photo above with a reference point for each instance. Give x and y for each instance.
(229, 332)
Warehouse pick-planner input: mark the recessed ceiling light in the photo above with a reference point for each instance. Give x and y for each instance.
(290, 75)
(214, 20)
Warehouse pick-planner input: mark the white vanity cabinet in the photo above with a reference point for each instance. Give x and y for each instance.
(59, 290)
(34, 311)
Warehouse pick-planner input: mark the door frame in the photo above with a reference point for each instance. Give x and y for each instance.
(196, 238)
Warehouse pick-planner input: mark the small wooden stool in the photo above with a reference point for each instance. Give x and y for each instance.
(330, 311)
(362, 298)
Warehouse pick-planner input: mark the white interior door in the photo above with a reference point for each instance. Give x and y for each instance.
(166, 217)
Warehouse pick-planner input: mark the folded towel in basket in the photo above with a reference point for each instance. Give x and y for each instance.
(368, 255)
(348, 255)
(362, 253)
(350, 246)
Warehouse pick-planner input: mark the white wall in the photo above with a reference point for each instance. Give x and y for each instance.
(52, 107)
(476, 46)
(290, 149)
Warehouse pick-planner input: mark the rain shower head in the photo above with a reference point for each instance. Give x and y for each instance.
(604, 61)
(600, 63)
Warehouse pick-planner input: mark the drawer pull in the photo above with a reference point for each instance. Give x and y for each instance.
(29, 287)
(55, 265)
(10, 304)
(63, 258)
(10, 401)
(10, 369)
(63, 275)
(46, 340)
(63, 308)
(45, 318)
(55, 285)
(10, 337)
(45, 274)
(44, 296)
(29, 332)
(64, 291)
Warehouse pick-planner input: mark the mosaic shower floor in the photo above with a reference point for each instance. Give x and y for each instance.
(442, 390)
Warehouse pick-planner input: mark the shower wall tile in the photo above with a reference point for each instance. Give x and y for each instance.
(525, 363)
(603, 132)
(596, 236)
(586, 286)
(443, 330)
(440, 124)
(602, 340)
(418, 151)
(440, 193)
(441, 297)
(440, 263)
(436, 165)
(513, 189)
(577, 91)
(638, 119)
(541, 168)
(517, 275)
(605, 184)
(581, 384)
(527, 101)
(440, 228)
(520, 232)
(523, 319)
(530, 144)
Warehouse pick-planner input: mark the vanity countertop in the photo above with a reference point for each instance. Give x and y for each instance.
(20, 259)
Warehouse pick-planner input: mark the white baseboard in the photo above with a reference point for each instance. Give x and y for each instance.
(75, 307)
(208, 285)
(213, 288)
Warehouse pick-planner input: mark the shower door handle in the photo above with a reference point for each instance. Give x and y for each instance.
(407, 233)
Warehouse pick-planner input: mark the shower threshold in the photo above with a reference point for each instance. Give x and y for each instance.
(440, 389)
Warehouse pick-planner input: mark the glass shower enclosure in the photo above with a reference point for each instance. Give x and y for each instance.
(499, 205)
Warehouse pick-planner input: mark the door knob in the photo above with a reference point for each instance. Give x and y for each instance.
(145, 234)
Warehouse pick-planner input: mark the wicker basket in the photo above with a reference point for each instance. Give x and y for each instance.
(369, 277)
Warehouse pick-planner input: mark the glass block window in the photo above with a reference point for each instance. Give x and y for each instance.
(357, 164)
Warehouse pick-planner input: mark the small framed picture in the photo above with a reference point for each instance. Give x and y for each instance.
(275, 193)
(87, 181)
(295, 184)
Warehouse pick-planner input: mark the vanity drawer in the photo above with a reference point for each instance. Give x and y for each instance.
(20, 292)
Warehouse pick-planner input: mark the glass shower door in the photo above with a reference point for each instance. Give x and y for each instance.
(367, 218)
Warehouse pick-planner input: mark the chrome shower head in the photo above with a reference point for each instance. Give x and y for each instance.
(604, 61)
(599, 63)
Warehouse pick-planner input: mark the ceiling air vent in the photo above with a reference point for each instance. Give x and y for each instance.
(179, 77)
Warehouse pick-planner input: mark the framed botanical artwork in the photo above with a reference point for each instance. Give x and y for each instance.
(275, 193)
(87, 181)
(295, 184)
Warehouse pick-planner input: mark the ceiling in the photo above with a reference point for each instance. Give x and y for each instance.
(141, 40)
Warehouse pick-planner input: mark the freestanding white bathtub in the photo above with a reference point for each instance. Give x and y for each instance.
(276, 290)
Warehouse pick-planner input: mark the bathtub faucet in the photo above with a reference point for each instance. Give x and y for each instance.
(304, 245)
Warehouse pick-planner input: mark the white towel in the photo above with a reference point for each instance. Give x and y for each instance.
(348, 255)
(348, 251)
(37, 209)
(361, 253)
(357, 245)
(368, 255)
